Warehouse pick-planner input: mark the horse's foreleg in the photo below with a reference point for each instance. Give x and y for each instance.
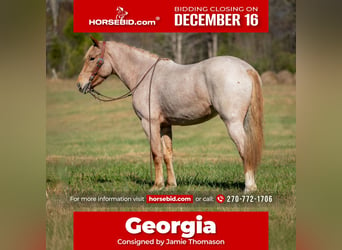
(238, 135)
(157, 156)
(166, 135)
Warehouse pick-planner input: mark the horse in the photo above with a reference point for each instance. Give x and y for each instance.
(121, 13)
(165, 93)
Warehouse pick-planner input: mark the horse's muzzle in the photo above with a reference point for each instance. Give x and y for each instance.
(85, 89)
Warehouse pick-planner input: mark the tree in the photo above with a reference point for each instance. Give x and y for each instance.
(177, 39)
(212, 44)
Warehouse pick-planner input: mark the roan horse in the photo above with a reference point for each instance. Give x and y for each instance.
(165, 93)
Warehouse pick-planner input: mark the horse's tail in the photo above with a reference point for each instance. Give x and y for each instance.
(253, 125)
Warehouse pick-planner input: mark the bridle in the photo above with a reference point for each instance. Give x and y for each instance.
(97, 95)
(87, 88)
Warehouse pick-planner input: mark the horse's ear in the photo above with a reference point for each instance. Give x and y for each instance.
(95, 41)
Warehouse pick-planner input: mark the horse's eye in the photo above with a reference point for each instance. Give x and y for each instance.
(92, 58)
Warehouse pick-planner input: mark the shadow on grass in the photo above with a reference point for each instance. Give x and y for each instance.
(213, 184)
(191, 181)
(139, 180)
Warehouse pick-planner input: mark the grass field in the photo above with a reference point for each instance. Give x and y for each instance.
(100, 148)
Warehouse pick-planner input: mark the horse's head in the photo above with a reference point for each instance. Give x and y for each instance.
(96, 67)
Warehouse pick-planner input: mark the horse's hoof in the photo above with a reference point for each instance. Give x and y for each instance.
(157, 188)
(250, 189)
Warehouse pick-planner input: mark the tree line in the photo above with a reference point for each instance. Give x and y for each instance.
(275, 50)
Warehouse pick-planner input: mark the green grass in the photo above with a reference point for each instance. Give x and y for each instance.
(100, 148)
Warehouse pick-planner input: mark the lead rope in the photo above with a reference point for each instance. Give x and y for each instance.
(149, 118)
(97, 95)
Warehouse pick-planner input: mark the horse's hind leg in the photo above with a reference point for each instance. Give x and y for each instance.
(156, 152)
(166, 136)
(238, 135)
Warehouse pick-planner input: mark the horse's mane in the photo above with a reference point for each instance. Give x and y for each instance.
(142, 51)
(145, 52)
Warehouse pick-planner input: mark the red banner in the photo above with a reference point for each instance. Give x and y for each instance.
(171, 16)
(170, 230)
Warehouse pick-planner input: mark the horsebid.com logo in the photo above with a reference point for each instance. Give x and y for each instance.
(121, 13)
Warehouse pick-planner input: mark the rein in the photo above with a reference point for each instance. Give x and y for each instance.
(98, 96)
(103, 98)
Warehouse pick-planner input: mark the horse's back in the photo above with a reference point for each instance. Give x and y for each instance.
(225, 66)
(194, 93)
